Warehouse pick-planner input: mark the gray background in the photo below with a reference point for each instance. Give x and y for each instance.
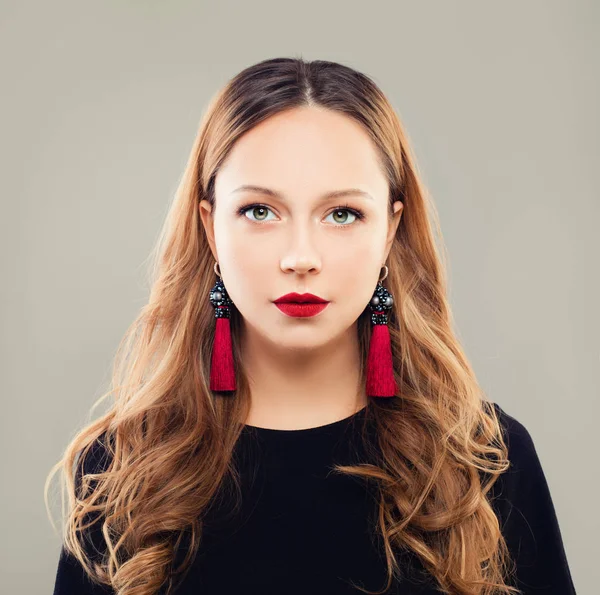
(100, 105)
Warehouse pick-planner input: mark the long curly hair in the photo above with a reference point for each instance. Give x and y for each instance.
(439, 446)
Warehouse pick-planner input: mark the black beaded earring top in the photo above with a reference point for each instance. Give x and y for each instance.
(380, 304)
(220, 300)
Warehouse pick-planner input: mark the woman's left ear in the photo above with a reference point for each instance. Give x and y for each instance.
(397, 207)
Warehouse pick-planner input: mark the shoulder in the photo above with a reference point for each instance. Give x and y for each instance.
(524, 480)
(521, 494)
(521, 497)
(522, 452)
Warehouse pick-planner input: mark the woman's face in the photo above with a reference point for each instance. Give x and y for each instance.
(294, 238)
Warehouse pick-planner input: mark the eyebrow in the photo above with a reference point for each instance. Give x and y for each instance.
(326, 196)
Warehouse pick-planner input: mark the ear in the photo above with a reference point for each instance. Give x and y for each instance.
(393, 226)
(206, 214)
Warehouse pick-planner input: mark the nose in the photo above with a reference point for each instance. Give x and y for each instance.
(302, 256)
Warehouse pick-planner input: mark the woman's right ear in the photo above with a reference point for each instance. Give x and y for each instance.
(205, 209)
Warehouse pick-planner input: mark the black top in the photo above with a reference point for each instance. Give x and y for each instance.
(305, 530)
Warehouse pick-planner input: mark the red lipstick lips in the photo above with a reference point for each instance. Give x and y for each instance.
(301, 304)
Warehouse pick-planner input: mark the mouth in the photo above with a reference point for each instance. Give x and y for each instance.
(301, 310)
(300, 298)
(301, 305)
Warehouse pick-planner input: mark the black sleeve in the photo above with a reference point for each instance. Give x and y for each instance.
(71, 579)
(527, 517)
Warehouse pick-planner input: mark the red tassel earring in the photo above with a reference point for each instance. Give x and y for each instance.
(222, 372)
(380, 367)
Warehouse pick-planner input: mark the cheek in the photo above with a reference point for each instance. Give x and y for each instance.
(246, 264)
(354, 260)
(352, 276)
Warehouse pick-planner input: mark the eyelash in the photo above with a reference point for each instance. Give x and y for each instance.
(357, 213)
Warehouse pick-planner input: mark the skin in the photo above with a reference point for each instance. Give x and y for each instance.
(303, 372)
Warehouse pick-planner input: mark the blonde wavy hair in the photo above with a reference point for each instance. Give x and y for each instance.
(439, 446)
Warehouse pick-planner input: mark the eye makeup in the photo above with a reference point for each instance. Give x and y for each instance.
(357, 213)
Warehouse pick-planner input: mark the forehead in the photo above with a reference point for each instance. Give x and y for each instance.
(305, 148)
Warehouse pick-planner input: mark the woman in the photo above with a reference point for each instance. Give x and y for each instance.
(292, 410)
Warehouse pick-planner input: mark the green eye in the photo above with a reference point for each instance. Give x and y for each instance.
(259, 213)
(344, 216)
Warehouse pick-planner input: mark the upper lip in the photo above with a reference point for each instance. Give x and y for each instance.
(300, 298)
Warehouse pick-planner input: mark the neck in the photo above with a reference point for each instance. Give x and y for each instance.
(302, 388)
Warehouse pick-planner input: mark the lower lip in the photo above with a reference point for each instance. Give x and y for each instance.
(301, 310)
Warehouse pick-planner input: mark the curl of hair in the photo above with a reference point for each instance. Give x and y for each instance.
(438, 449)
